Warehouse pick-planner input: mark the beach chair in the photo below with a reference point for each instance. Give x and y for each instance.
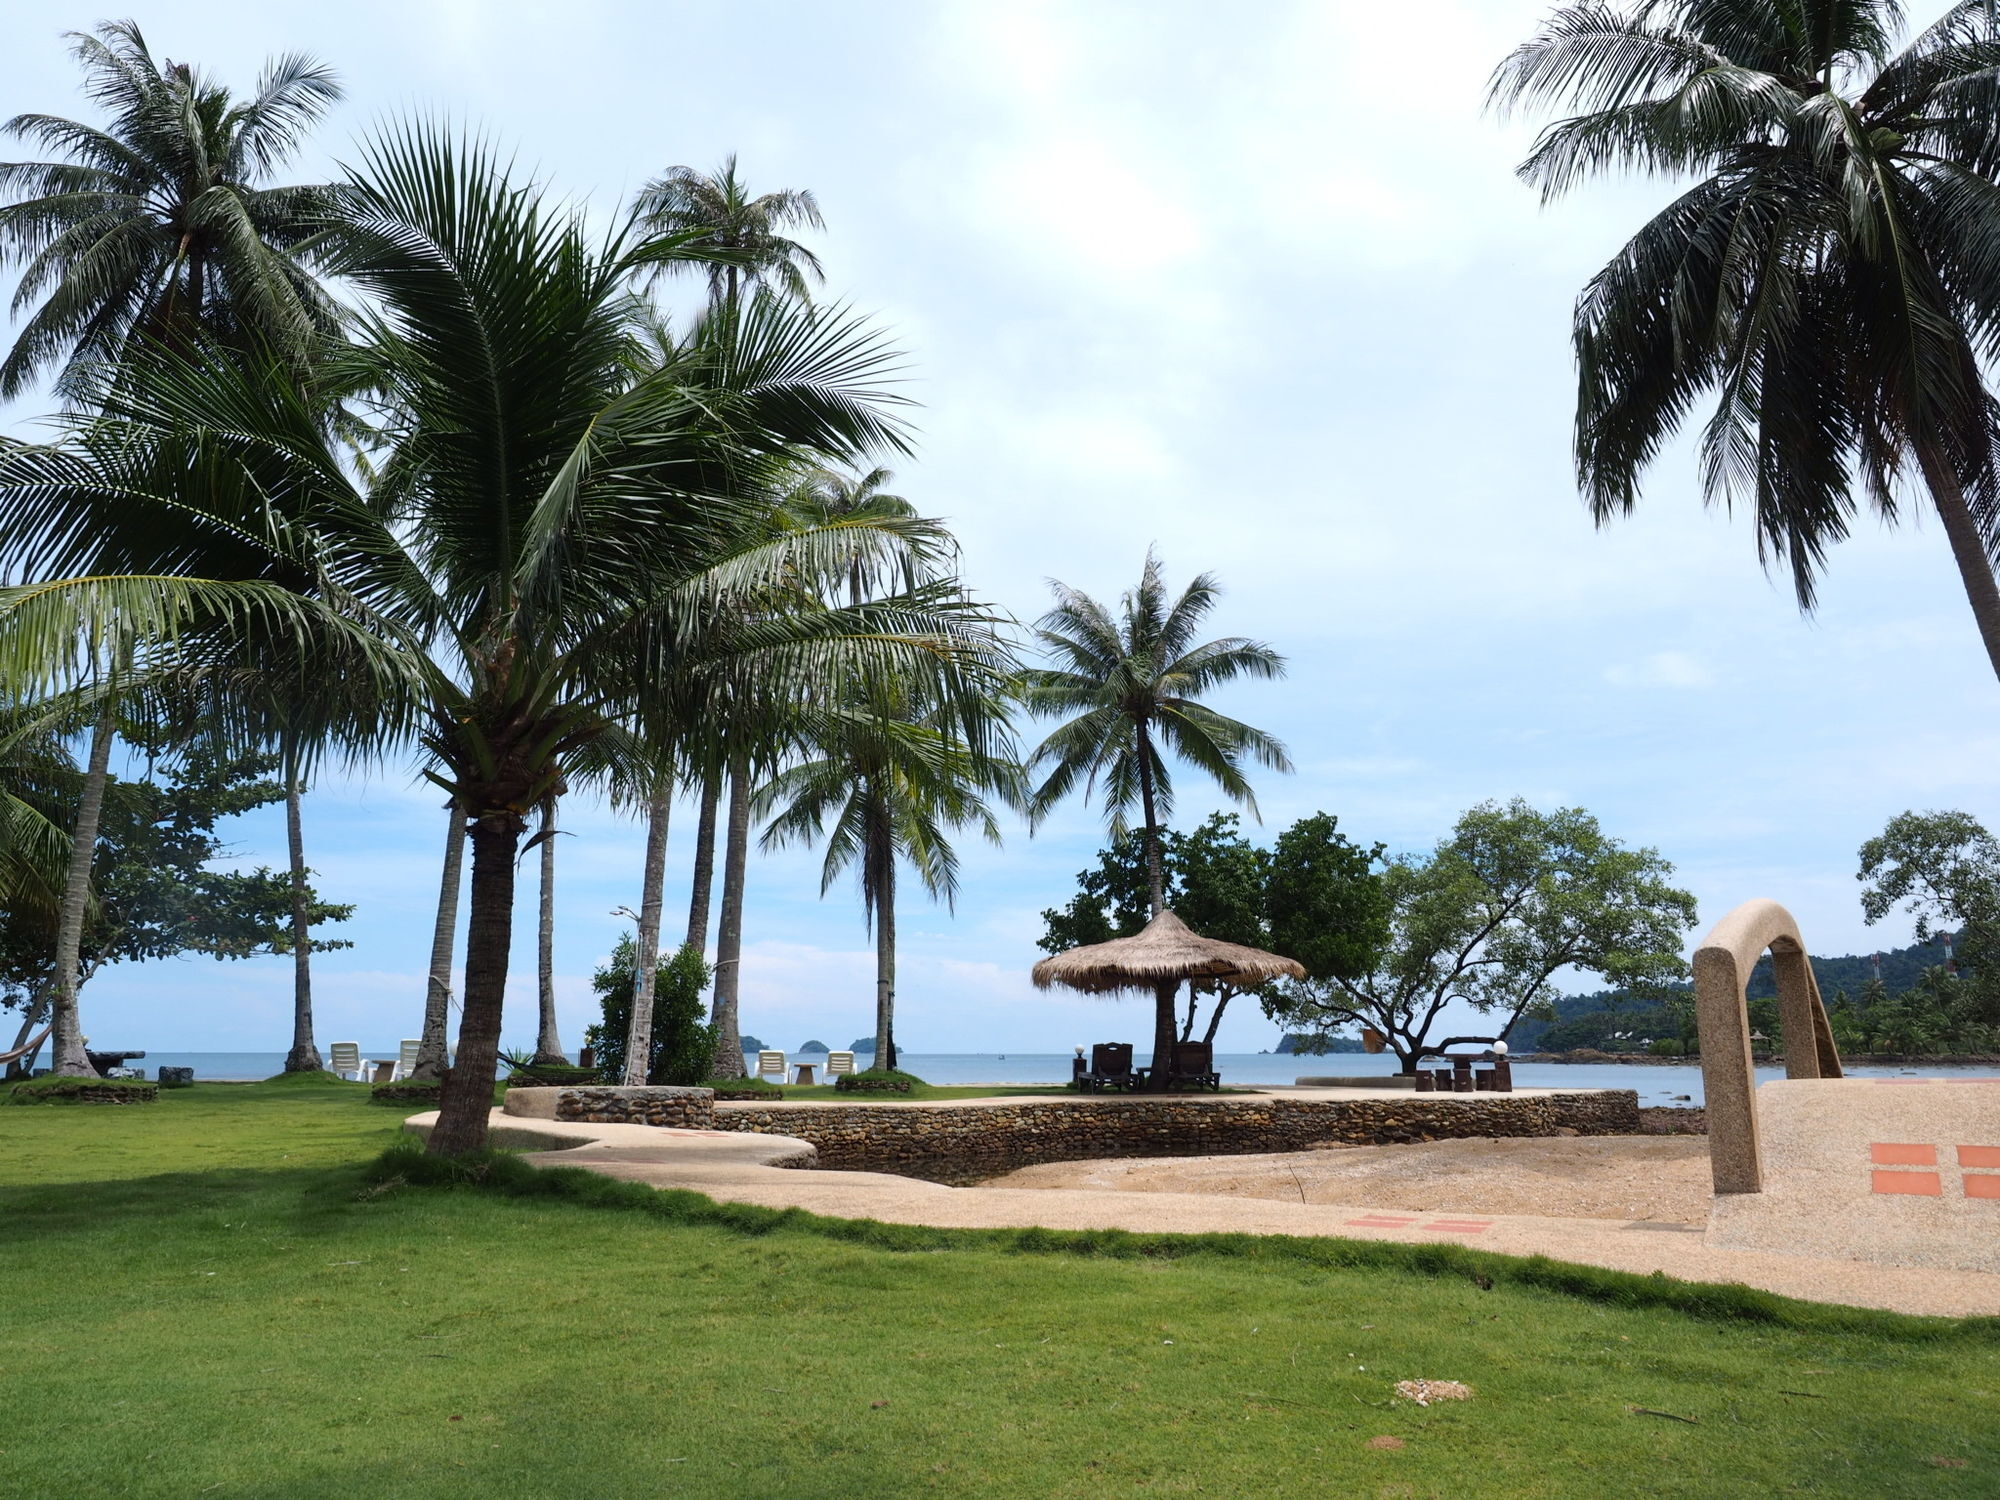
(839, 1065)
(1110, 1067)
(771, 1065)
(406, 1056)
(343, 1058)
(1193, 1064)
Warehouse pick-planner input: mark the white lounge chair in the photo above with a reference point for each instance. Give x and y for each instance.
(406, 1056)
(343, 1058)
(839, 1064)
(771, 1065)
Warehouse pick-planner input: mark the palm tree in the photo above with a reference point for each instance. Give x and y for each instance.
(163, 221)
(543, 539)
(1830, 277)
(433, 1044)
(548, 1043)
(741, 236)
(1131, 683)
(891, 775)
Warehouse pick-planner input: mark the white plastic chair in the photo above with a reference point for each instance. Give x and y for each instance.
(343, 1058)
(406, 1056)
(839, 1064)
(771, 1065)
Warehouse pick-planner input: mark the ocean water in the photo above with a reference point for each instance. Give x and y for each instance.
(1655, 1084)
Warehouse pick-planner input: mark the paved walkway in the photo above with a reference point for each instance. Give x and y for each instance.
(773, 1171)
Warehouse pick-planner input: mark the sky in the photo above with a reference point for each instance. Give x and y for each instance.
(1246, 285)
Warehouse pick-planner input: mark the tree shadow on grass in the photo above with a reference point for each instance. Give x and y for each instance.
(308, 1200)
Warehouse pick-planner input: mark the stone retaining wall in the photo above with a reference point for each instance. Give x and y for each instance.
(965, 1143)
(682, 1109)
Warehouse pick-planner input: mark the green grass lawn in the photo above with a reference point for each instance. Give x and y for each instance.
(210, 1296)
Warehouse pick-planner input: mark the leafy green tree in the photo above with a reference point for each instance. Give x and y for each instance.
(546, 543)
(683, 1043)
(1829, 277)
(163, 222)
(1942, 869)
(1508, 900)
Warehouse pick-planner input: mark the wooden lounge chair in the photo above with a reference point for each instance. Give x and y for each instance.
(343, 1058)
(1110, 1068)
(1192, 1065)
(771, 1065)
(839, 1065)
(406, 1057)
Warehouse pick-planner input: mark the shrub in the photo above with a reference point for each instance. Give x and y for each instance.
(876, 1081)
(744, 1088)
(1668, 1046)
(407, 1091)
(56, 1090)
(528, 1074)
(683, 1043)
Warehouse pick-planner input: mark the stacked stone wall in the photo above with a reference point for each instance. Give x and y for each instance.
(677, 1108)
(965, 1143)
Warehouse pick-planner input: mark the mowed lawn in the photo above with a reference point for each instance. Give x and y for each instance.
(208, 1296)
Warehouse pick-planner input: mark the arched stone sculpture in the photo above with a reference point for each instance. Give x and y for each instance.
(1722, 966)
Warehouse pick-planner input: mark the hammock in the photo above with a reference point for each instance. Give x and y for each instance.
(30, 1049)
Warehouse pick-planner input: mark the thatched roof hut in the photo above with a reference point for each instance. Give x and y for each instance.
(1166, 951)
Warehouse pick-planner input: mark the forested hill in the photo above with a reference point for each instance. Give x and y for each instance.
(1581, 1018)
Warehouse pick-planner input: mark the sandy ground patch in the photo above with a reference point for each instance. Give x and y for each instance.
(1663, 1179)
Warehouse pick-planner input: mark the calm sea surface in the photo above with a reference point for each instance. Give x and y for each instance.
(1678, 1084)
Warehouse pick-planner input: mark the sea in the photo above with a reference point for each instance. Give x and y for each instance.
(1656, 1083)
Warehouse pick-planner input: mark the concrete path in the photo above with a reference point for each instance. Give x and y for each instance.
(775, 1172)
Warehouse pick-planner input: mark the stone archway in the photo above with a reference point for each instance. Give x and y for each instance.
(1722, 966)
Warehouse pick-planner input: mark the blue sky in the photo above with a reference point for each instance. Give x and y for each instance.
(1244, 291)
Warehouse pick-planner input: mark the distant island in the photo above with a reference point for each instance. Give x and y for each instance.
(1302, 1045)
(814, 1046)
(866, 1044)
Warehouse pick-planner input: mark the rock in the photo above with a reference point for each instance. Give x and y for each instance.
(176, 1078)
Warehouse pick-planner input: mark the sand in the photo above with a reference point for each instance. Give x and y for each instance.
(1659, 1179)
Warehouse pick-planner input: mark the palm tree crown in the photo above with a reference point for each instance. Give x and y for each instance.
(162, 221)
(745, 234)
(1133, 684)
(1831, 279)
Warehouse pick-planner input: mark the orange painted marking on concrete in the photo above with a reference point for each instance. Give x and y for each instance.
(1902, 1156)
(1922, 1184)
(1457, 1226)
(1979, 1156)
(1377, 1221)
(1982, 1185)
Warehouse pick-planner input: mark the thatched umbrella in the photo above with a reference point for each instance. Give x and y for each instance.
(1158, 959)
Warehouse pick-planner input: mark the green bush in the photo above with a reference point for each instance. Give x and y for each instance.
(683, 1043)
(528, 1074)
(876, 1081)
(57, 1090)
(407, 1091)
(1668, 1046)
(743, 1088)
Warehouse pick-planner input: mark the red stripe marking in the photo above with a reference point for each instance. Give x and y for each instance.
(1903, 1156)
(1374, 1222)
(1923, 1184)
(1979, 1156)
(1979, 1185)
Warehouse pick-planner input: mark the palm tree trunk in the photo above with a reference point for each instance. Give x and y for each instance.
(548, 1045)
(67, 1057)
(645, 978)
(704, 863)
(1156, 880)
(1975, 567)
(1222, 1000)
(431, 1052)
(885, 957)
(729, 934)
(31, 1017)
(304, 1056)
(467, 1096)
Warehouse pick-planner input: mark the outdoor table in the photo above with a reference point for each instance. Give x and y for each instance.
(104, 1062)
(802, 1074)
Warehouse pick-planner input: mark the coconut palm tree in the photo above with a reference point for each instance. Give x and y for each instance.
(742, 235)
(548, 1042)
(542, 539)
(1131, 684)
(1830, 278)
(163, 220)
(890, 775)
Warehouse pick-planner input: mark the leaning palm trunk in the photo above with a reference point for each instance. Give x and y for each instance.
(548, 1045)
(431, 1049)
(467, 1096)
(31, 1017)
(729, 934)
(304, 1056)
(1975, 569)
(68, 1059)
(704, 863)
(646, 976)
